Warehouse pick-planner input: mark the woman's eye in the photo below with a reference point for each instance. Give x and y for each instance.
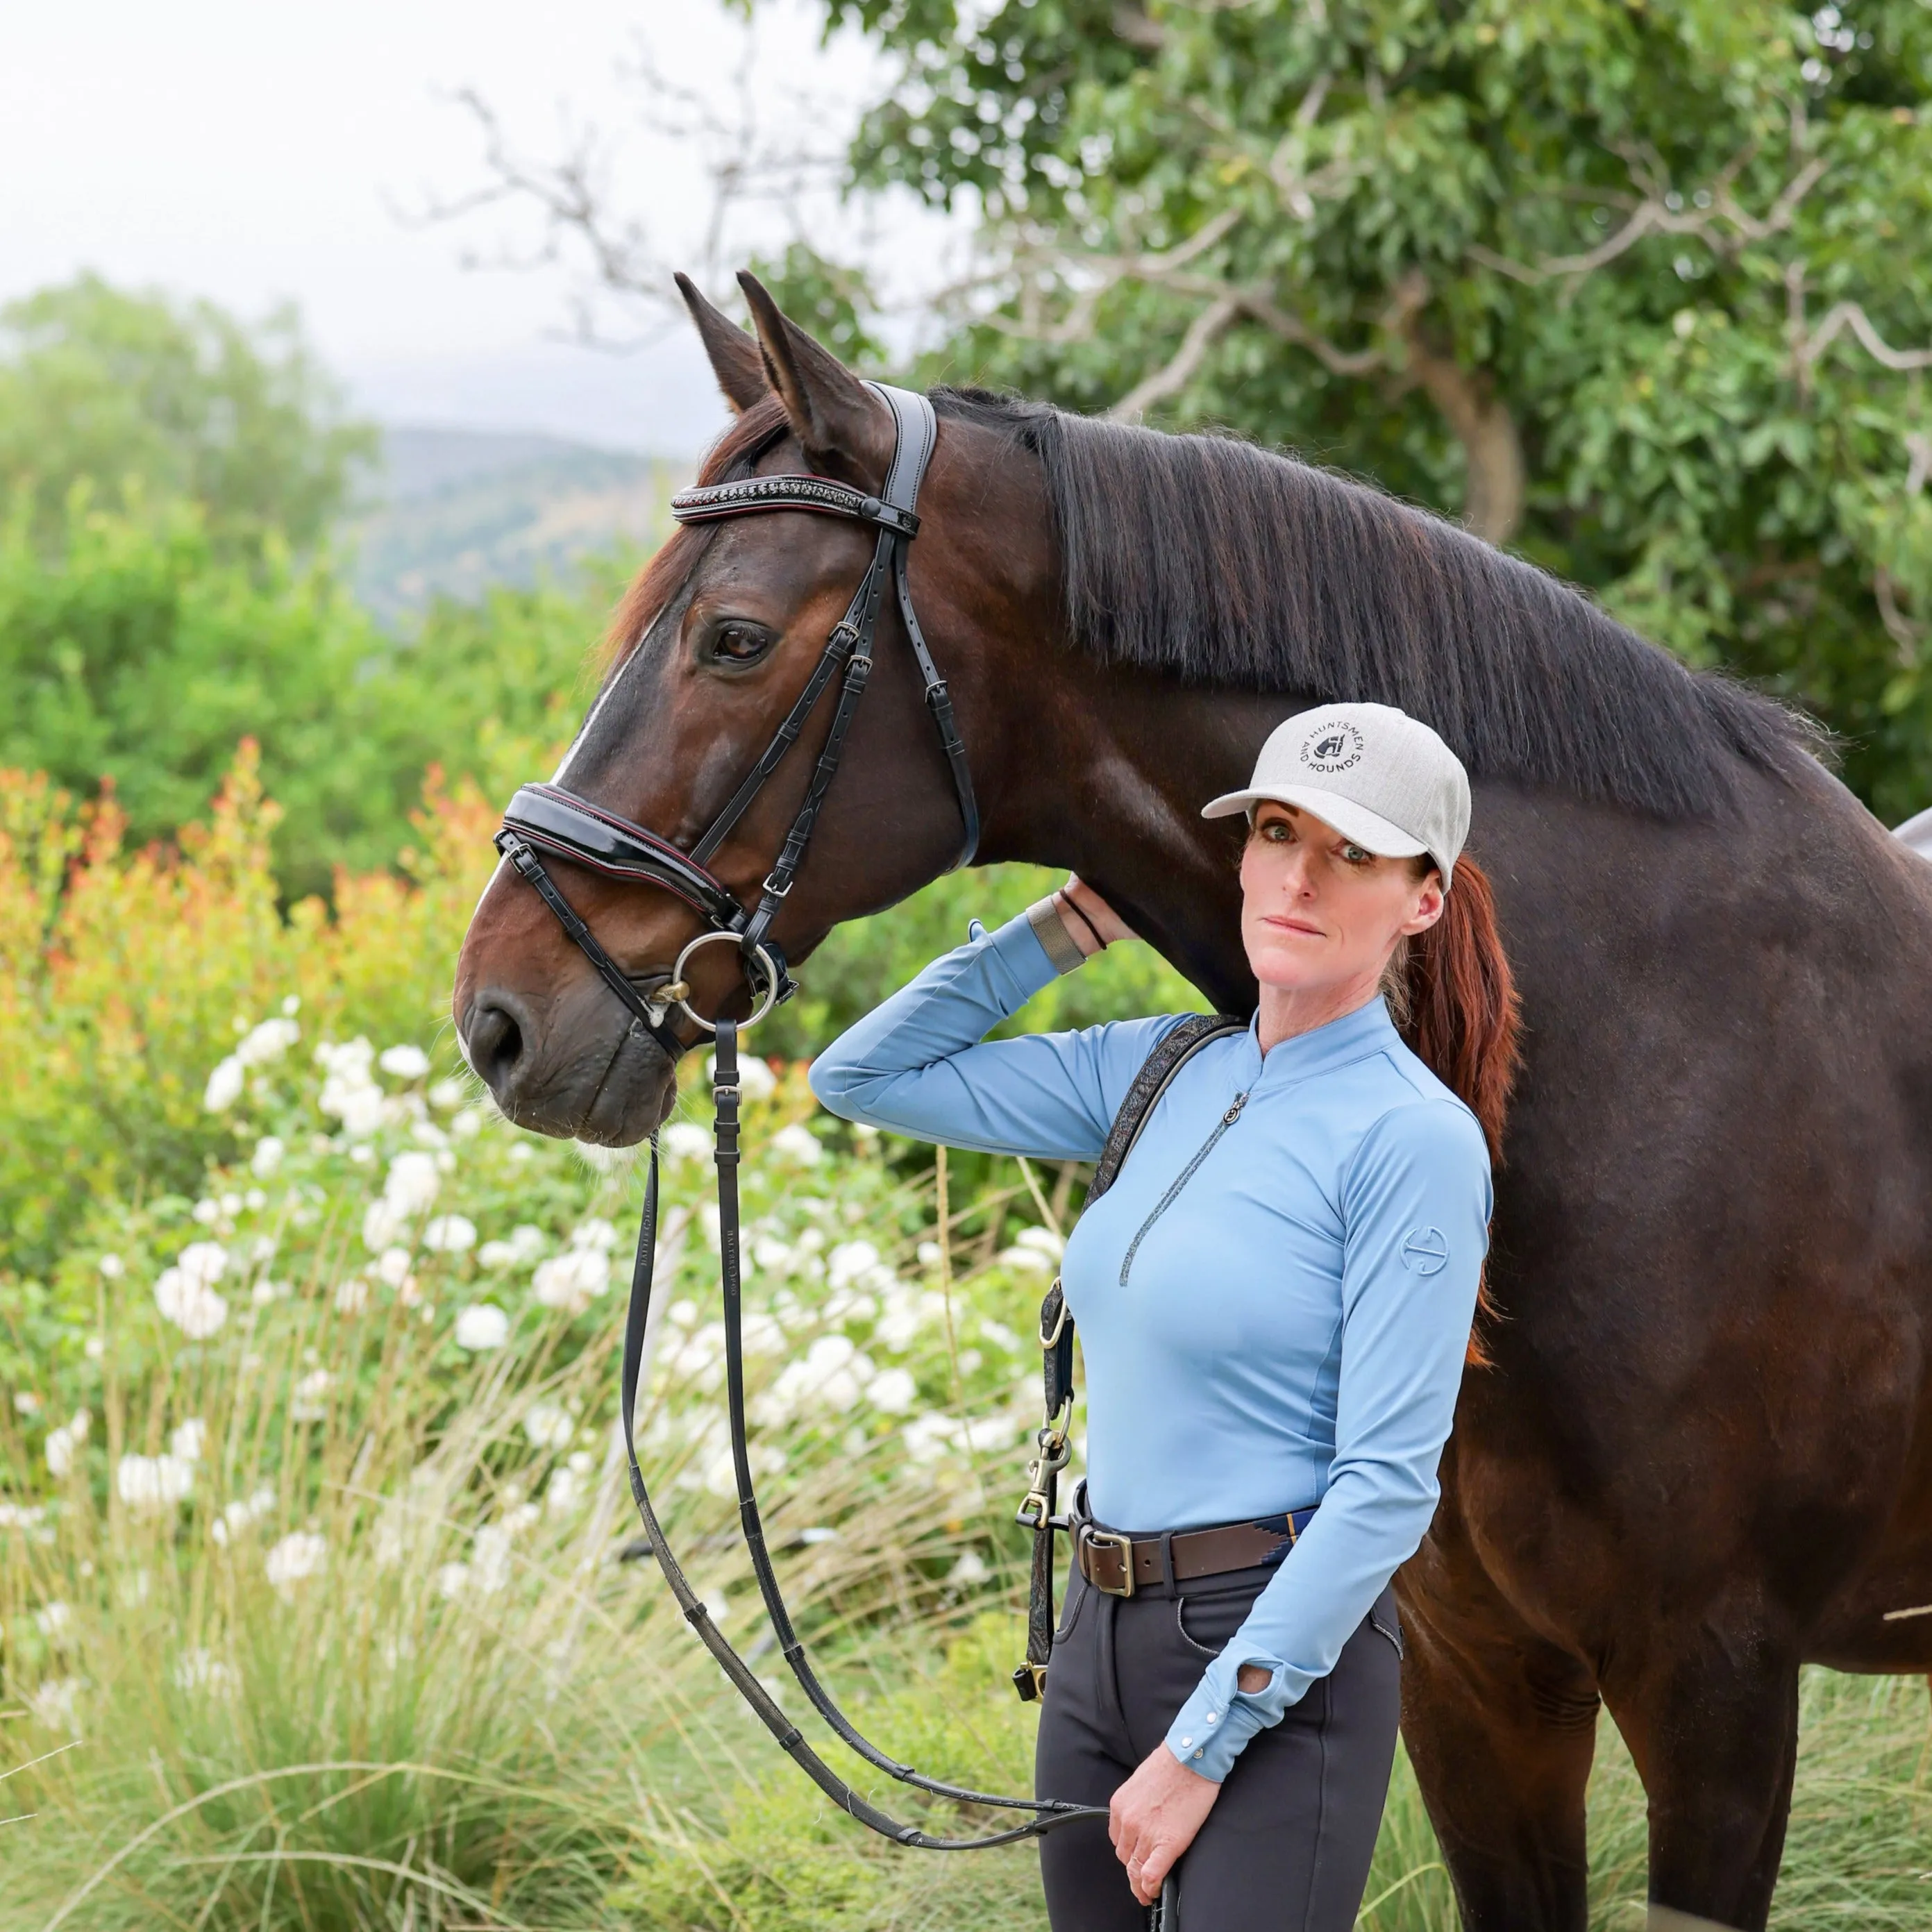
(1277, 831)
(1357, 855)
(740, 643)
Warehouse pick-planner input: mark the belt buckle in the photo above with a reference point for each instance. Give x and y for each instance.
(1107, 1539)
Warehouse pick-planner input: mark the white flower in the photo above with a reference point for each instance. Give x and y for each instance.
(596, 1234)
(267, 1157)
(763, 1334)
(892, 1391)
(300, 1554)
(404, 1062)
(490, 1559)
(61, 1443)
(571, 1281)
(412, 1182)
(525, 1244)
(1044, 1239)
(832, 1376)
(446, 1094)
(207, 1212)
(481, 1325)
(54, 1622)
(224, 1084)
(798, 1142)
(351, 1295)
(928, 1254)
(311, 1404)
(684, 1140)
(348, 1093)
(381, 1225)
(184, 1293)
(451, 1579)
(202, 1670)
(773, 1256)
(53, 1704)
(203, 1263)
(392, 1265)
(849, 1261)
(153, 1482)
(268, 1041)
(450, 1234)
(1030, 1259)
(25, 1402)
(188, 1439)
(112, 1267)
(565, 1491)
(239, 1514)
(548, 1425)
(971, 1568)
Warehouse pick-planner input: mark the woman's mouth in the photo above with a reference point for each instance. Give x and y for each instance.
(1301, 927)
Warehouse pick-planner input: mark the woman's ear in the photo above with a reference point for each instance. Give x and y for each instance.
(1430, 905)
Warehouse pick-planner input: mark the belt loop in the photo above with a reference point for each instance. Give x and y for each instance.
(1167, 1563)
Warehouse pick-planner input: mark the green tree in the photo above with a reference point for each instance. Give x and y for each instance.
(131, 649)
(146, 399)
(1632, 287)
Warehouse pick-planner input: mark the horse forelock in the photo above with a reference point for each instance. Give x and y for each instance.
(747, 438)
(1230, 565)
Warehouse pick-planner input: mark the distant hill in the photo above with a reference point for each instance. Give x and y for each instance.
(456, 511)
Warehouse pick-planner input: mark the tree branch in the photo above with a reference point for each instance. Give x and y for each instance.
(1206, 329)
(1851, 315)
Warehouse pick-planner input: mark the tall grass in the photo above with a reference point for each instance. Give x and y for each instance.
(321, 1603)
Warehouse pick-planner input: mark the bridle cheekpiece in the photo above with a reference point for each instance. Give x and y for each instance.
(548, 819)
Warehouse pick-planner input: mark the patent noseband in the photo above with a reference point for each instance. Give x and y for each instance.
(547, 819)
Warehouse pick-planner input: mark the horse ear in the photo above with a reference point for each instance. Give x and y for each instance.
(847, 431)
(735, 359)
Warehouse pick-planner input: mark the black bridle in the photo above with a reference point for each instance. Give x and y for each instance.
(548, 819)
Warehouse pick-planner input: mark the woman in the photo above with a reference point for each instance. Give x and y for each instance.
(1274, 1300)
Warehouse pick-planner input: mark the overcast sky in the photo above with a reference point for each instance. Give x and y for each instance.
(252, 152)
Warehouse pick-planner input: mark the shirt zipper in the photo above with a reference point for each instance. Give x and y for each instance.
(1181, 1179)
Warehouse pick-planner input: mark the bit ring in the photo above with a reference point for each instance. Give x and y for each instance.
(769, 999)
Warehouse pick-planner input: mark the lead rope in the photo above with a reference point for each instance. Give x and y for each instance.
(1054, 1812)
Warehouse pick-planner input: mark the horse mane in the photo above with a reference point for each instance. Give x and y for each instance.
(1227, 565)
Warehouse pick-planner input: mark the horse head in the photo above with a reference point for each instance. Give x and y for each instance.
(712, 647)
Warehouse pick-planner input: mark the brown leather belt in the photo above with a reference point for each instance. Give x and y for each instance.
(1119, 1565)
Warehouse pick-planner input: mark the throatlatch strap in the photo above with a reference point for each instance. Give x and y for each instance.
(1039, 1510)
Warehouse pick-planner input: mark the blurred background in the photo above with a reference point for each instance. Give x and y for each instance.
(342, 388)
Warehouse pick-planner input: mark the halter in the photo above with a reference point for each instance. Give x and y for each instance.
(547, 818)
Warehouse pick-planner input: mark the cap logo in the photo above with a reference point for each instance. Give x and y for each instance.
(1332, 747)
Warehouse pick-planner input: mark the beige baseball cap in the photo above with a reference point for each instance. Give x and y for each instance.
(1377, 775)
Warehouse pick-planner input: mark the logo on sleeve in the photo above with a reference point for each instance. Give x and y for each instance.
(1425, 1251)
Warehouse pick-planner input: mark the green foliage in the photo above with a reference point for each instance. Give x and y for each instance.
(830, 301)
(146, 399)
(132, 648)
(1570, 269)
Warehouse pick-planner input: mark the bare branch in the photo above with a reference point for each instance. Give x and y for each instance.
(1851, 315)
(1206, 329)
(1919, 447)
(1655, 215)
(1899, 628)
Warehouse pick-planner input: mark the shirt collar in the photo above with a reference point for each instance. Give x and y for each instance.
(1355, 1036)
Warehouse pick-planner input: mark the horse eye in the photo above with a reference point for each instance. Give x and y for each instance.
(740, 643)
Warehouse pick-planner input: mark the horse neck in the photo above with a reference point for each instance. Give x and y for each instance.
(1106, 772)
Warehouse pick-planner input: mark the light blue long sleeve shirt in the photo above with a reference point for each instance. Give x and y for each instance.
(1273, 1298)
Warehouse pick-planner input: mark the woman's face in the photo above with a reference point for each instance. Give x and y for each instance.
(1317, 911)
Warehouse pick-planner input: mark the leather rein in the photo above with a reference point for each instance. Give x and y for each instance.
(548, 820)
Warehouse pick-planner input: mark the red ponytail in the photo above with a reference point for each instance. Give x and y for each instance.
(1455, 1001)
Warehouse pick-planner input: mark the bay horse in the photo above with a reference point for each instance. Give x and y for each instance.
(1701, 1452)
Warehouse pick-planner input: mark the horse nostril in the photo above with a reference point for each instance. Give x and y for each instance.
(494, 1040)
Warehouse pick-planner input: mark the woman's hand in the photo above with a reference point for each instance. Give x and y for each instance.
(1091, 923)
(1153, 1818)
